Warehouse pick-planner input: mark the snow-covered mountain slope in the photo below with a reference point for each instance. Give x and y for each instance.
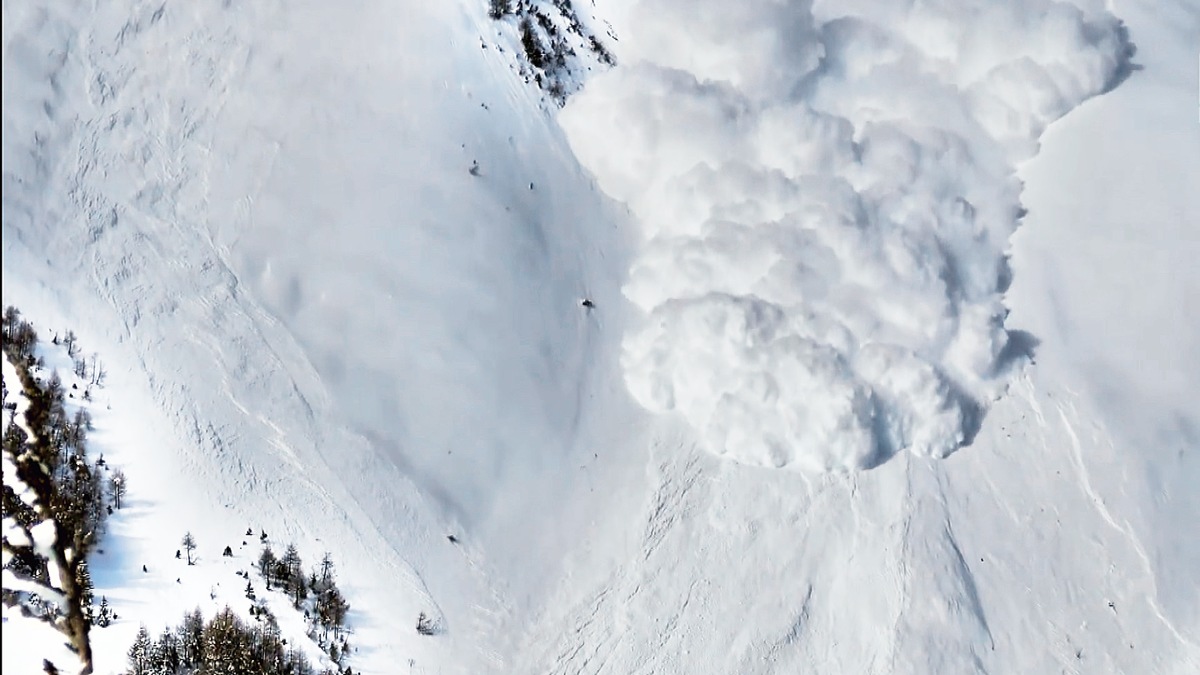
(267, 212)
(341, 248)
(137, 581)
(42, 640)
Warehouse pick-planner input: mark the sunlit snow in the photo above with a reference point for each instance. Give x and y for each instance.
(336, 256)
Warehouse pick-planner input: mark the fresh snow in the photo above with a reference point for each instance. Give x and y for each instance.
(320, 322)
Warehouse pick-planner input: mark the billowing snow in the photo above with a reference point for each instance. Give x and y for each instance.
(826, 198)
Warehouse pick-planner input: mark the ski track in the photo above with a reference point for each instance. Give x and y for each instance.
(1067, 412)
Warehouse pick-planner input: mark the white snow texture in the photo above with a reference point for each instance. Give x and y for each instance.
(826, 194)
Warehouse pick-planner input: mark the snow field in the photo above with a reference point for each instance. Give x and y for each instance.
(825, 195)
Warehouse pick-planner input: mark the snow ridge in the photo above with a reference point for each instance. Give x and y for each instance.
(826, 196)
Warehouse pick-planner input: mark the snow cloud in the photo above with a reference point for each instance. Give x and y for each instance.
(826, 194)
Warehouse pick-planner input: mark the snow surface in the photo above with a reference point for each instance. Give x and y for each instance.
(320, 323)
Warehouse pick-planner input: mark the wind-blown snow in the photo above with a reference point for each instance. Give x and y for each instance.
(826, 196)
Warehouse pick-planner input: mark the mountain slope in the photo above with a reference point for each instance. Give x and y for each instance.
(1053, 542)
(213, 201)
(342, 250)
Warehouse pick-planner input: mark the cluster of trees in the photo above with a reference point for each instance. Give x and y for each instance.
(86, 369)
(498, 9)
(83, 496)
(316, 594)
(224, 645)
(21, 339)
(54, 509)
(547, 48)
(64, 493)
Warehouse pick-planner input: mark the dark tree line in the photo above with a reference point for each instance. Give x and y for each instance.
(498, 9)
(224, 645)
(19, 337)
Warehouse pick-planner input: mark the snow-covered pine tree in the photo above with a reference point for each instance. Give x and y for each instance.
(104, 615)
(294, 582)
(117, 488)
(191, 634)
(83, 581)
(227, 646)
(139, 653)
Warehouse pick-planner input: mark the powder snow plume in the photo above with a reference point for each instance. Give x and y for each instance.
(826, 193)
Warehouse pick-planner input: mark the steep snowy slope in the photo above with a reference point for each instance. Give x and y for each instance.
(341, 248)
(343, 332)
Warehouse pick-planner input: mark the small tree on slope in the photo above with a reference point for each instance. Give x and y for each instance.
(189, 544)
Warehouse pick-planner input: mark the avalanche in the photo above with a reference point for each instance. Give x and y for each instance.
(338, 251)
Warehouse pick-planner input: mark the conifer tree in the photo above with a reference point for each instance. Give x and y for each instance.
(293, 579)
(104, 614)
(139, 653)
(190, 634)
(226, 647)
(189, 545)
(267, 564)
(291, 562)
(164, 654)
(83, 580)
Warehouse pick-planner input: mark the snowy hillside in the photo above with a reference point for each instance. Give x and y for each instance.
(933, 260)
